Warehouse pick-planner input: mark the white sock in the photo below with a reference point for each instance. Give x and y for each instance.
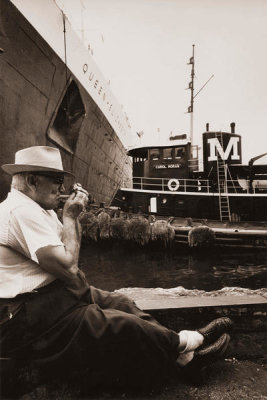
(192, 340)
(185, 358)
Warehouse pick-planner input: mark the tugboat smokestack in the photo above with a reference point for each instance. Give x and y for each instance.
(232, 127)
(207, 127)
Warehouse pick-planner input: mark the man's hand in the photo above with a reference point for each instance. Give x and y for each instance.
(62, 261)
(76, 202)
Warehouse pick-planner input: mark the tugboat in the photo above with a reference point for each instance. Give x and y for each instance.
(172, 180)
(207, 197)
(167, 180)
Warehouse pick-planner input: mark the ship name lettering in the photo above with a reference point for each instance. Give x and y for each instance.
(96, 82)
(232, 145)
(173, 165)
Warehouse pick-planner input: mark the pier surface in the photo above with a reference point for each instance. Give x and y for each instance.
(241, 375)
(155, 302)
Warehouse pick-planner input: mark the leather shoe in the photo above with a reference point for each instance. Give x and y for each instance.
(216, 349)
(215, 329)
(208, 355)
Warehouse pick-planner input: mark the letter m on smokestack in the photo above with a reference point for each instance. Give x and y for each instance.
(232, 148)
(225, 145)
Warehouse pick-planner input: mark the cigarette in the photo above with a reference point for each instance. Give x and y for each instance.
(64, 197)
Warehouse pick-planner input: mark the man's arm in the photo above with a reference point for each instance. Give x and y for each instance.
(62, 261)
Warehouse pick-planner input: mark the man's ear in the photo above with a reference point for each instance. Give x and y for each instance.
(31, 181)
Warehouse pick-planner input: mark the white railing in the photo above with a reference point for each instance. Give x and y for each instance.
(172, 184)
(195, 185)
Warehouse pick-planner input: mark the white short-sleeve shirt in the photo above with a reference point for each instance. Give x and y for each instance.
(25, 227)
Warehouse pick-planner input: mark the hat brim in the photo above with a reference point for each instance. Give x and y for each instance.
(12, 169)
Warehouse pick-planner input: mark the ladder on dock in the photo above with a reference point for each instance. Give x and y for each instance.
(224, 206)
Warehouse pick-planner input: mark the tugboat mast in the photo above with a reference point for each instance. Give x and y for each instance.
(191, 87)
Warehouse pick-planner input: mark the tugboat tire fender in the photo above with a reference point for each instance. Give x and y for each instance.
(173, 185)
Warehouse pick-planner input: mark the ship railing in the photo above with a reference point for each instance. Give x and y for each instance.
(246, 186)
(196, 185)
(172, 184)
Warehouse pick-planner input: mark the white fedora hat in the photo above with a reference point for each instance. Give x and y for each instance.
(36, 158)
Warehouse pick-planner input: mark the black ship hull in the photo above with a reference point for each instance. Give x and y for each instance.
(244, 207)
(43, 103)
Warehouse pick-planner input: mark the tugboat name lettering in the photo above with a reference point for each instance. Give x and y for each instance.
(164, 166)
(174, 165)
(215, 144)
(160, 166)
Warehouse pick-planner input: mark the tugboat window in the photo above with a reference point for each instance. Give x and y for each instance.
(179, 152)
(167, 154)
(154, 155)
(66, 126)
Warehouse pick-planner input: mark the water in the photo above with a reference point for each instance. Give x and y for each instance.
(116, 267)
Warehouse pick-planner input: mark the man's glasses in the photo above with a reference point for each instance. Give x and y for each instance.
(58, 180)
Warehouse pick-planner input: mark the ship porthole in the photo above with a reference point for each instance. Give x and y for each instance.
(173, 184)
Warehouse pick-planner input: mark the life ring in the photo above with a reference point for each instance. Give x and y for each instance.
(173, 185)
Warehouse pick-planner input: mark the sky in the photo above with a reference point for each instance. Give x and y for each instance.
(143, 47)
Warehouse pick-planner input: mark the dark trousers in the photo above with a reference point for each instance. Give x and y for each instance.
(103, 335)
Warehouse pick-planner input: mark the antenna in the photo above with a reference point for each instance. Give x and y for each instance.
(191, 87)
(204, 85)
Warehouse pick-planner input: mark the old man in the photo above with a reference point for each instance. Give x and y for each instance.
(53, 319)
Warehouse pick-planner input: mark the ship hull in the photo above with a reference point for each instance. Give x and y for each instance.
(244, 207)
(43, 103)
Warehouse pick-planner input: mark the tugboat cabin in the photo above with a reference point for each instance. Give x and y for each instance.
(161, 162)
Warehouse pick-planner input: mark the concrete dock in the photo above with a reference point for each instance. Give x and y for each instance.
(155, 302)
(247, 308)
(241, 375)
